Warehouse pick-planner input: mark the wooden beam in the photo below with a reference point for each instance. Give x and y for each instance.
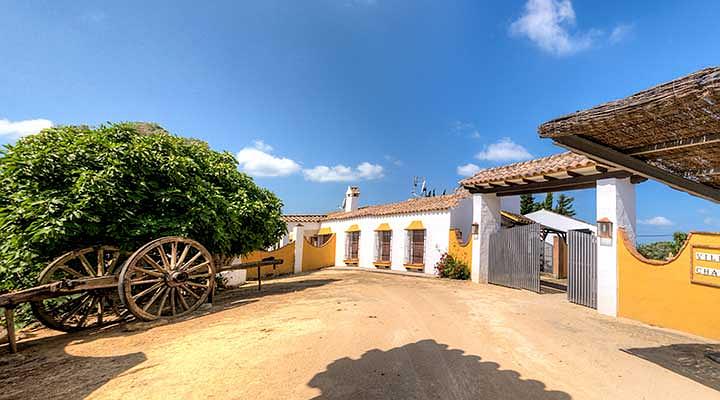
(580, 182)
(10, 326)
(615, 158)
(601, 169)
(573, 174)
(549, 178)
(703, 140)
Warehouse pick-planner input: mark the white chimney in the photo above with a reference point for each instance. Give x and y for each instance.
(352, 198)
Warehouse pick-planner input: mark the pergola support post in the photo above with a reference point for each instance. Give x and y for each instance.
(299, 232)
(615, 200)
(486, 214)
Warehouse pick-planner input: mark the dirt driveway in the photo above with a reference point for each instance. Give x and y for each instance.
(339, 334)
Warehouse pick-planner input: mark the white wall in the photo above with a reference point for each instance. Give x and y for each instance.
(461, 217)
(309, 229)
(437, 226)
(616, 202)
(486, 213)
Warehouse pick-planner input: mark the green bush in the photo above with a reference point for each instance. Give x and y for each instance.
(449, 267)
(123, 184)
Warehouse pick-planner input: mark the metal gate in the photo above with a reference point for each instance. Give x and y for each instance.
(516, 257)
(582, 268)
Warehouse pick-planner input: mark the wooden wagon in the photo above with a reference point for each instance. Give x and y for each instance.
(167, 277)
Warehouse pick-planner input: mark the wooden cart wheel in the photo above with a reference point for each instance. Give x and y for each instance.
(80, 310)
(170, 276)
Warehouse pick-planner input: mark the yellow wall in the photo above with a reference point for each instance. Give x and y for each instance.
(661, 294)
(285, 253)
(318, 257)
(460, 251)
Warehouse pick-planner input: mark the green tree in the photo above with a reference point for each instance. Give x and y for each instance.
(527, 204)
(564, 205)
(664, 249)
(548, 202)
(124, 184)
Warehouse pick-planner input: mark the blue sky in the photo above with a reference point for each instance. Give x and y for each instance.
(315, 95)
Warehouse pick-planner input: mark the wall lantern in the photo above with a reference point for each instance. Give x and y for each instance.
(475, 229)
(605, 231)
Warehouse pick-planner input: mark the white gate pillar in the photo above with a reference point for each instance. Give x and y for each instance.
(486, 214)
(615, 200)
(299, 243)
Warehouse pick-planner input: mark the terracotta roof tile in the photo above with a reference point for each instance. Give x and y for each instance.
(420, 204)
(303, 218)
(532, 168)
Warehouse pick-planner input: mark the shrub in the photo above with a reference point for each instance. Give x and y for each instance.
(123, 184)
(449, 267)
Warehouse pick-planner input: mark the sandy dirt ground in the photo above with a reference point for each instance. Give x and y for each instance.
(338, 334)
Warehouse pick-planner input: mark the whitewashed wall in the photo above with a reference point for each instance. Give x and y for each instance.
(309, 229)
(461, 217)
(437, 226)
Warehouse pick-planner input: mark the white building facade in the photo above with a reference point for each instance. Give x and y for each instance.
(415, 232)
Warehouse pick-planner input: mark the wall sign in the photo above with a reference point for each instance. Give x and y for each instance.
(705, 265)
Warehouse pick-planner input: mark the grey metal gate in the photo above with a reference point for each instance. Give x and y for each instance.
(582, 268)
(516, 257)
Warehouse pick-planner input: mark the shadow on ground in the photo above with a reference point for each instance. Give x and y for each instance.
(427, 370)
(687, 359)
(51, 373)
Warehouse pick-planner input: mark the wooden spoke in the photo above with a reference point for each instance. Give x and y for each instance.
(100, 262)
(86, 264)
(172, 300)
(154, 264)
(189, 263)
(183, 302)
(86, 313)
(70, 271)
(73, 312)
(174, 279)
(187, 289)
(162, 302)
(155, 297)
(197, 267)
(184, 254)
(164, 258)
(197, 285)
(148, 290)
(173, 255)
(143, 281)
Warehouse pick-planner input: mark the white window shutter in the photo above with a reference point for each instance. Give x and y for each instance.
(408, 246)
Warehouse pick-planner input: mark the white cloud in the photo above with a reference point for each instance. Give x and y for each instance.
(257, 161)
(342, 173)
(16, 129)
(504, 150)
(548, 23)
(469, 129)
(396, 162)
(657, 221)
(468, 169)
(620, 33)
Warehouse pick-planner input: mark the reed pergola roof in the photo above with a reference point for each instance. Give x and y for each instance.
(670, 133)
(565, 171)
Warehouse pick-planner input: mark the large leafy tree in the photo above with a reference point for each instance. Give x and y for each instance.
(123, 184)
(527, 204)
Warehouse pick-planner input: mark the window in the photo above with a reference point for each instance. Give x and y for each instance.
(415, 247)
(322, 239)
(352, 243)
(383, 240)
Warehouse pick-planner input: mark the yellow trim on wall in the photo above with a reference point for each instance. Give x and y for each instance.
(325, 231)
(384, 227)
(353, 228)
(460, 251)
(663, 294)
(416, 225)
